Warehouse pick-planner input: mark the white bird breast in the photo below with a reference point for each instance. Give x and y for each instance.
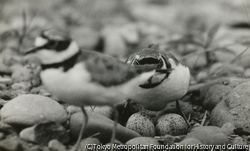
(75, 87)
(171, 89)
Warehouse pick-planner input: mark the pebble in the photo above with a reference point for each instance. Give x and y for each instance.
(2, 136)
(234, 109)
(142, 141)
(6, 95)
(228, 129)
(87, 141)
(26, 73)
(43, 133)
(71, 109)
(56, 145)
(99, 124)
(196, 60)
(21, 73)
(214, 95)
(11, 144)
(189, 141)
(227, 70)
(186, 107)
(172, 124)
(3, 86)
(30, 109)
(209, 135)
(142, 124)
(230, 81)
(6, 81)
(21, 86)
(202, 76)
(247, 73)
(239, 141)
(106, 111)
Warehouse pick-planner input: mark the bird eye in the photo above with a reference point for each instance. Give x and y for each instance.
(52, 44)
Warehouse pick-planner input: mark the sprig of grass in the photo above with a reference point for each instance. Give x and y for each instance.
(24, 30)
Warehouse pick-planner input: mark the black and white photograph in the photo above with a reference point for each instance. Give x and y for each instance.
(124, 75)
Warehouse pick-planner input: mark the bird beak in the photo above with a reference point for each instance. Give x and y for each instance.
(32, 50)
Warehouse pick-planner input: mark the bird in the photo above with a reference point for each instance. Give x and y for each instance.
(173, 85)
(84, 77)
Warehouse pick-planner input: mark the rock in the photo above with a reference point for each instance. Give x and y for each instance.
(234, 109)
(56, 145)
(106, 111)
(172, 124)
(71, 109)
(87, 144)
(239, 141)
(6, 95)
(231, 82)
(209, 135)
(21, 74)
(3, 86)
(142, 141)
(43, 133)
(21, 86)
(202, 76)
(11, 144)
(228, 129)
(189, 141)
(99, 124)
(6, 81)
(247, 73)
(2, 136)
(26, 73)
(228, 70)
(27, 110)
(186, 108)
(214, 95)
(142, 124)
(196, 60)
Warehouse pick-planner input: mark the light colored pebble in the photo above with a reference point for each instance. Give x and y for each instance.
(30, 109)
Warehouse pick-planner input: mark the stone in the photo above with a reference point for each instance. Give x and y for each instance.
(87, 144)
(186, 108)
(143, 141)
(43, 133)
(11, 144)
(56, 145)
(228, 70)
(214, 95)
(189, 141)
(6, 95)
(71, 109)
(247, 73)
(196, 60)
(99, 124)
(21, 86)
(172, 124)
(230, 81)
(106, 111)
(2, 136)
(228, 129)
(209, 135)
(6, 80)
(234, 109)
(142, 124)
(30, 109)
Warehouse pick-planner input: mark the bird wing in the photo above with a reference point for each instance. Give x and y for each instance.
(109, 71)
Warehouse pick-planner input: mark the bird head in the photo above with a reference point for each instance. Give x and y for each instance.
(152, 55)
(53, 46)
(169, 82)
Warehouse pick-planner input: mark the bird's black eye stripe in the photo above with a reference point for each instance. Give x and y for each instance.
(57, 45)
(168, 64)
